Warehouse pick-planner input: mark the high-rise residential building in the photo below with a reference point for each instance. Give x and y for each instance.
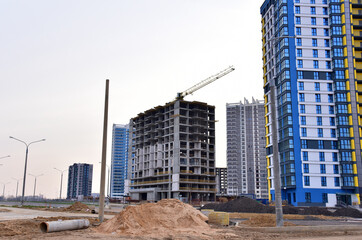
(79, 180)
(246, 156)
(119, 158)
(221, 181)
(312, 52)
(173, 152)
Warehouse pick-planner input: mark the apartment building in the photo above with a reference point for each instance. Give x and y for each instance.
(79, 180)
(312, 53)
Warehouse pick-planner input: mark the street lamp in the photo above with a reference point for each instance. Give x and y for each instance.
(4, 189)
(61, 180)
(35, 176)
(26, 161)
(17, 185)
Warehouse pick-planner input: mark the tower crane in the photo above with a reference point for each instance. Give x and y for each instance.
(205, 82)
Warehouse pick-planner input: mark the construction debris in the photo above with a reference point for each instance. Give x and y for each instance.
(168, 217)
(78, 207)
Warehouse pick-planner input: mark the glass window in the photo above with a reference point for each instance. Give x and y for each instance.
(323, 181)
(326, 32)
(298, 31)
(327, 53)
(315, 64)
(320, 144)
(324, 197)
(297, 9)
(317, 97)
(328, 64)
(335, 169)
(314, 42)
(333, 133)
(316, 75)
(326, 42)
(315, 53)
(335, 156)
(306, 167)
(302, 120)
(313, 21)
(322, 168)
(317, 86)
(325, 21)
(314, 32)
(299, 42)
(304, 132)
(329, 87)
(300, 63)
(308, 197)
(332, 121)
(321, 156)
(336, 182)
(305, 156)
(306, 181)
(301, 97)
(302, 108)
(328, 76)
(297, 20)
(312, 10)
(304, 143)
(331, 109)
(318, 109)
(320, 132)
(301, 86)
(299, 53)
(300, 74)
(319, 121)
(330, 98)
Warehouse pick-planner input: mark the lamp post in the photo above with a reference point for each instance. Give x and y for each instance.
(276, 167)
(17, 185)
(35, 176)
(4, 189)
(108, 180)
(61, 181)
(26, 161)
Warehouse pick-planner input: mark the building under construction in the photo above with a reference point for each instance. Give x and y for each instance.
(172, 152)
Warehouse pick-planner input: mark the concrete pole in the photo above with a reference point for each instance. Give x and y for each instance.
(276, 167)
(61, 185)
(104, 154)
(26, 163)
(34, 187)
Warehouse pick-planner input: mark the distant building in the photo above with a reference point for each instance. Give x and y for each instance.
(246, 154)
(80, 180)
(119, 159)
(221, 181)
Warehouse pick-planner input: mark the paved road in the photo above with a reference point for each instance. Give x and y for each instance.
(21, 213)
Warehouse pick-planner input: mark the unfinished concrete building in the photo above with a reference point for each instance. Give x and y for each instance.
(246, 154)
(172, 152)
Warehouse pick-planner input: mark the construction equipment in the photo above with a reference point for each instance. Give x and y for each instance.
(203, 83)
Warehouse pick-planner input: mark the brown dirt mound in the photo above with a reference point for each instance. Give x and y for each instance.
(349, 212)
(264, 221)
(242, 204)
(166, 218)
(78, 207)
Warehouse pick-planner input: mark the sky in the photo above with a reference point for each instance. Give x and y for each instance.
(56, 55)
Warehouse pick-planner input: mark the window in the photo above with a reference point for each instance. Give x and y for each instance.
(325, 21)
(319, 121)
(304, 143)
(312, 1)
(305, 156)
(315, 64)
(328, 64)
(314, 32)
(336, 182)
(304, 132)
(326, 32)
(320, 144)
(297, 20)
(322, 156)
(314, 42)
(331, 109)
(329, 87)
(339, 75)
(327, 53)
(338, 63)
(338, 52)
(332, 121)
(301, 86)
(345, 144)
(313, 21)
(322, 168)
(330, 98)
(326, 42)
(346, 156)
(335, 169)
(298, 31)
(308, 197)
(316, 75)
(299, 42)
(317, 86)
(337, 41)
(328, 76)
(340, 86)
(301, 97)
(335, 156)
(324, 1)
(297, 9)
(333, 133)
(306, 181)
(341, 97)
(342, 108)
(324, 197)
(315, 53)
(320, 132)
(343, 120)
(348, 181)
(317, 97)
(318, 109)
(302, 108)
(300, 74)
(306, 167)
(302, 120)
(324, 181)
(336, 20)
(299, 53)
(312, 10)
(300, 63)
(337, 30)
(325, 11)
(335, 9)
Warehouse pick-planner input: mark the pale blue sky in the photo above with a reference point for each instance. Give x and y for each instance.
(56, 55)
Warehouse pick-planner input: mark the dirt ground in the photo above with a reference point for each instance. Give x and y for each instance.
(29, 229)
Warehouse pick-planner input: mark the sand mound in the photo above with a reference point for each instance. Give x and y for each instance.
(78, 207)
(165, 218)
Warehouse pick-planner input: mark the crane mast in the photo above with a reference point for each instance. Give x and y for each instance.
(205, 82)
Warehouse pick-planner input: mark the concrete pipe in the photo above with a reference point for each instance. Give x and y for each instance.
(57, 226)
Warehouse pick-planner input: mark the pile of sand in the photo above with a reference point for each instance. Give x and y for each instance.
(168, 217)
(78, 207)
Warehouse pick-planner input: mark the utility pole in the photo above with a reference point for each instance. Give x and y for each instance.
(61, 181)
(104, 154)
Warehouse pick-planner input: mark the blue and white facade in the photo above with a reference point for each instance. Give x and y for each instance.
(119, 158)
(299, 55)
